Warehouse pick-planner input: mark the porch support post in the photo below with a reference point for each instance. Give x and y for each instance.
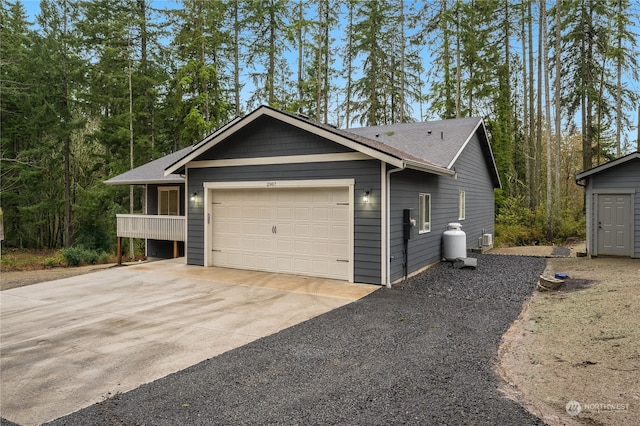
(175, 249)
(119, 250)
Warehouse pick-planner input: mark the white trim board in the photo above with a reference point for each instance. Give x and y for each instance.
(316, 183)
(285, 159)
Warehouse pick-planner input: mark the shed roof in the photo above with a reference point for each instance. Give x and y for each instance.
(606, 166)
(152, 172)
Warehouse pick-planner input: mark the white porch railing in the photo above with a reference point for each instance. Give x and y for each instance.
(155, 227)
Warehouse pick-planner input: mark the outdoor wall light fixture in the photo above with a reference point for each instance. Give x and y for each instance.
(194, 196)
(365, 197)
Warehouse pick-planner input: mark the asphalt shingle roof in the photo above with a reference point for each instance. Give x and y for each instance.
(152, 172)
(431, 142)
(434, 144)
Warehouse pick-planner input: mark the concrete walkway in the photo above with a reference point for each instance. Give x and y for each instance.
(67, 344)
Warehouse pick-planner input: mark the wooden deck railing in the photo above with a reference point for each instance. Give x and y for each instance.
(155, 227)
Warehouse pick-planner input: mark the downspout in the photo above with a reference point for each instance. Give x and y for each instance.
(388, 224)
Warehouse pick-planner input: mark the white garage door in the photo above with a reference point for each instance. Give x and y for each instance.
(287, 230)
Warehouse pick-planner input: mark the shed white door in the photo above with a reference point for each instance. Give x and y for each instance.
(287, 230)
(614, 226)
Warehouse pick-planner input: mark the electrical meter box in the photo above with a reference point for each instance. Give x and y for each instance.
(408, 223)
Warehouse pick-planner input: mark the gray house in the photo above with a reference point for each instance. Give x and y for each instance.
(613, 207)
(278, 192)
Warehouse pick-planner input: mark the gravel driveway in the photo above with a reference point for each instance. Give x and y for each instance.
(420, 353)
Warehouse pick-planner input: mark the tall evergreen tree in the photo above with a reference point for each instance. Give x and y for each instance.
(267, 24)
(200, 104)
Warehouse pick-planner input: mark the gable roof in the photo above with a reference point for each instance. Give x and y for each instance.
(152, 172)
(416, 146)
(606, 166)
(437, 142)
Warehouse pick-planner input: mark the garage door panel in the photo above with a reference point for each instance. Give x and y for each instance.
(320, 231)
(339, 215)
(302, 247)
(340, 197)
(321, 213)
(233, 211)
(264, 228)
(235, 227)
(284, 263)
(284, 247)
(249, 260)
(288, 230)
(339, 231)
(264, 244)
(263, 212)
(284, 230)
(302, 213)
(264, 262)
(321, 196)
(321, 267)
(250, 228)
(340, 251)
(284, 213)
(302, 230)
(340, 268)
(320, 248)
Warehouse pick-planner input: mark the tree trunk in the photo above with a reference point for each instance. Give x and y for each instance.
(525, 107)
(458, 65)
(558, 107)
(547, 105)
(272, 58)
(236, 56)
(67, 137)
(320, 63)
(619, 57)
(533, 160)
(300, 61)
(131, 163)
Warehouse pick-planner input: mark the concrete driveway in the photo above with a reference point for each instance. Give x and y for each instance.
(67, 344)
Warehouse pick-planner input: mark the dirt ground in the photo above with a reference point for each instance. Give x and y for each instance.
(580, 343)
(13, 279)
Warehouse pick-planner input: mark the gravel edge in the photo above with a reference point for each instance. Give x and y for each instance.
(422, 352)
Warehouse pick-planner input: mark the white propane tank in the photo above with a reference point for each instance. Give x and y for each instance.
(454, 242)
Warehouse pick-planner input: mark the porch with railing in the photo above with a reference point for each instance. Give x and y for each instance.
(154, 227)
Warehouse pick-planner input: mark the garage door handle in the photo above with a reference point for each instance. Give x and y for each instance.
(342, 260)
(274, 229)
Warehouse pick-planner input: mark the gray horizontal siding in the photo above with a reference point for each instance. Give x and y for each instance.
(367, 239)
(266, 137)
(472, 177)
(622, 176)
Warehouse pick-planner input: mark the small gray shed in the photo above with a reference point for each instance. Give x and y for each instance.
(613, 207)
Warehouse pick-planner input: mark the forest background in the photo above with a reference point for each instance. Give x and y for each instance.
(90, 89)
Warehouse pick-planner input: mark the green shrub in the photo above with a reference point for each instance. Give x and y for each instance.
(518, 225)
(80, 255)
(51, 262)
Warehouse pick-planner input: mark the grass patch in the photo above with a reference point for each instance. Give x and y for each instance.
(32, 260)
